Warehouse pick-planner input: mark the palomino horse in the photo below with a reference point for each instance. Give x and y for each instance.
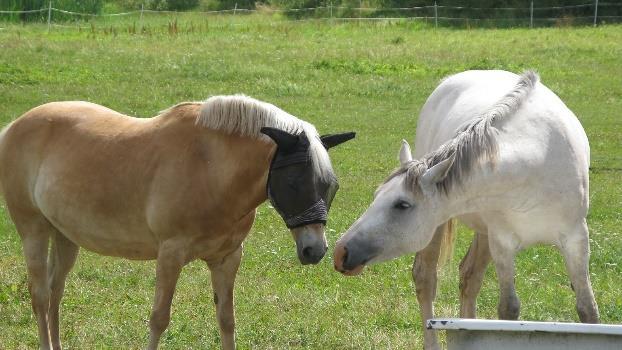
(504, 155)
(181, 186)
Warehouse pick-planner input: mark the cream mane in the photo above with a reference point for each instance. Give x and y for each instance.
(246, 116)
(473, 143)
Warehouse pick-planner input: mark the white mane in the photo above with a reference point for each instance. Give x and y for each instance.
(246, 116)
(475, 142)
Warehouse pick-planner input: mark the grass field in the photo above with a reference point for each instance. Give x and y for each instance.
(371, 78)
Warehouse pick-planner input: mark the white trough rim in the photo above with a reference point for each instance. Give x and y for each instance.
(522, 326)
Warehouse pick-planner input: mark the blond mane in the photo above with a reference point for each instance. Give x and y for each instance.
(245, 116)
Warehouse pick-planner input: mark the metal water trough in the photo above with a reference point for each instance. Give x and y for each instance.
(472, 334)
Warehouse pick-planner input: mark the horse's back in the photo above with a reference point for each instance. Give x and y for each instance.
(72, 108)
(541, 119)
(41, 124)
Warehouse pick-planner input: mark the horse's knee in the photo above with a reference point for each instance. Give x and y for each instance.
(417, 269)
(465, 276)
(424, 282)
(227, 324)
(159, 321)
(422, 274)
(224, 313)
(40, 296)
(467, 297)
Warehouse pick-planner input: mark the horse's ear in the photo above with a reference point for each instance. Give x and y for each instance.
(437, 173)
(284, 140)
(332, 140)
(405, 156)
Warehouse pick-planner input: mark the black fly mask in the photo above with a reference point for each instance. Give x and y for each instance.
(294, 188)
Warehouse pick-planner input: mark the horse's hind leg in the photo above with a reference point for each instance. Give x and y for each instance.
(576, 250)
(424, 275)
(472, 270)
(35, 232)
(223, 278)
(62, 258)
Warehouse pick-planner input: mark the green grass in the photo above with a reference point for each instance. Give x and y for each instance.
(371, 78)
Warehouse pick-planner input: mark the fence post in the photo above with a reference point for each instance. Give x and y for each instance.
(435, 15)
(49, 15)
(235, 8)
(330, 6)
(360, 8)
(531, 15)
(142, 9)
(595, 12)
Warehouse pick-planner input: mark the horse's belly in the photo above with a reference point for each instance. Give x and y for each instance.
(528, 228)
(113, 246)
(130, 244)
(124, 235)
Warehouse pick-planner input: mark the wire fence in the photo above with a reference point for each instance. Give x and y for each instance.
(593, 13)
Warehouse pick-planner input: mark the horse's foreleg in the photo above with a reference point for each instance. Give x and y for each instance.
(171, 259)
(576, 250)
(424, 274)
(223, 278)
(62, 258)
(503, 249)
(472, 270)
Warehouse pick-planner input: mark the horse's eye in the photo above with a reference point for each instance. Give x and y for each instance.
(401, 205)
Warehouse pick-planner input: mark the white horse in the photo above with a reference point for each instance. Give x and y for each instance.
(504, 155)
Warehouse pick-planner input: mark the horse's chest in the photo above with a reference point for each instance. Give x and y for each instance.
(213, 250)
(216, 242)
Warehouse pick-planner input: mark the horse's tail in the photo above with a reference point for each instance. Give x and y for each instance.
(2, 133)
(448, 242)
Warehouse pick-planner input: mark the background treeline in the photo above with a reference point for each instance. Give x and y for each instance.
(480, 10)
(93, 6)
(84, 6)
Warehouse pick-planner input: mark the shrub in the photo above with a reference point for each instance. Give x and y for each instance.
(82, 6)
(172, 5)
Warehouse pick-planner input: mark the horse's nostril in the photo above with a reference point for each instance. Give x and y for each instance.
(345, 255)
(306, 252)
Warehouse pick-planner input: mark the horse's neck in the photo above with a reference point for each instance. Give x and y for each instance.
(256, 157)
(241, 169)
(232, 170)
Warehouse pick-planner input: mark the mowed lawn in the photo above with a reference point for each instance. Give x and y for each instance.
(370, 78)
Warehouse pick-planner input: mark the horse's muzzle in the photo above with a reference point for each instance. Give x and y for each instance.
(311, 243)
(349, 258)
